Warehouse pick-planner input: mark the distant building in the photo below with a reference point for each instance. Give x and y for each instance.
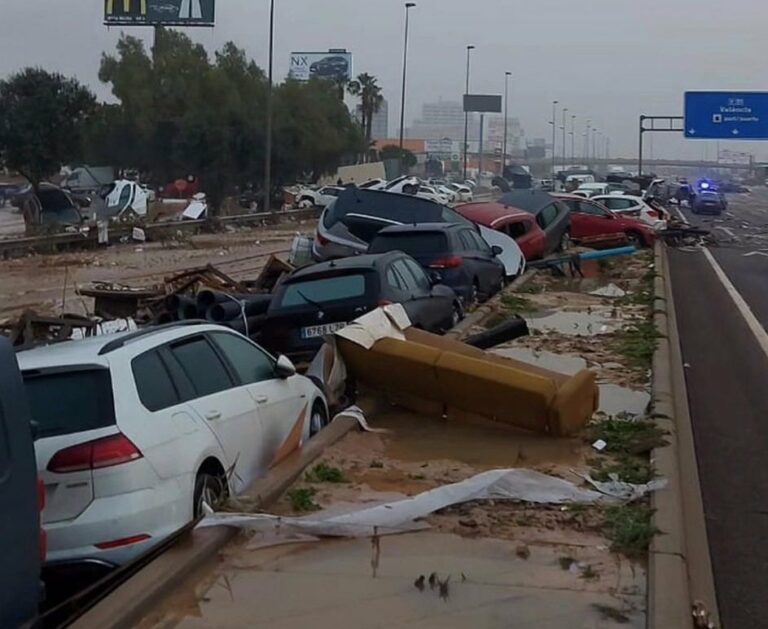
(495, 135)
(380, 123)
(443, 119)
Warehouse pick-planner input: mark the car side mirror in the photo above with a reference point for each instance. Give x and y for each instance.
(435, 278)
(284, 368)
(496, 250)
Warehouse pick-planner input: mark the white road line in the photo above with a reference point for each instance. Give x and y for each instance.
(681, 215)
(741, 305)
(727, 230)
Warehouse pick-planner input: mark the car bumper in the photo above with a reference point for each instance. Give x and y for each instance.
(155, 512)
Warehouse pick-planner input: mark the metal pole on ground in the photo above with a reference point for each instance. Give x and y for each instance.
(470, 48)
(506, 114)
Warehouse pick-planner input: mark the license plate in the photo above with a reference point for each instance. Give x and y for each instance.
(313, 331)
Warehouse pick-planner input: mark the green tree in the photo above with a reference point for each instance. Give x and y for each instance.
(41, 122)
(369, 92)
(392, 151)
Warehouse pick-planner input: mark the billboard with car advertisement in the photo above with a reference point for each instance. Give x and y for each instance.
(159, 12)
(323, 65)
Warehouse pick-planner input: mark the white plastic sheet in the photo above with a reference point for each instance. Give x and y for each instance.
(402, 515)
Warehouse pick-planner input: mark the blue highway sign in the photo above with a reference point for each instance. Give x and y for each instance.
(726, 115)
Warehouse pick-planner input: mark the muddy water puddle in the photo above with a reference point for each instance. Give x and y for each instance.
(480, 444)
(574, 323)
(360, 584)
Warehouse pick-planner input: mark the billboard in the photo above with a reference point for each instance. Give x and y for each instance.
(159, 12)
(482, 103)
(323, 65)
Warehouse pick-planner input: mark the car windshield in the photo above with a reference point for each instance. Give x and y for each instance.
(414, 243)
(70, 401)
(323, 290)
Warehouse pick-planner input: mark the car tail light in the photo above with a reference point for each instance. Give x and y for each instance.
(96, 454)
(653, 214)
(123, 541)
(321, 240)
(449, 262)
(42, 538)
(383, 302)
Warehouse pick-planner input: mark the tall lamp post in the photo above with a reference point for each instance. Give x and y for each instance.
(586, 141)
(573, 138)
(565, 149)
(268, 147)
(506, 114)
(594, 143)
(470, 48)
(408, 5)
(554, 137)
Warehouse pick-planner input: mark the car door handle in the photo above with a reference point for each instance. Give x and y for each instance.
(212, 415)
(262, 399)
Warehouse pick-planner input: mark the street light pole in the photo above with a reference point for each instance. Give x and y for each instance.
(594, 144)
(408, 5)
(573, 138)
(554, 138)
(586, 142)
(470, 48)
(506, 114)
(268, 147)
(565, 150)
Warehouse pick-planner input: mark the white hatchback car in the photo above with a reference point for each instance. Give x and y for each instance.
(136, 429)
(632, 206)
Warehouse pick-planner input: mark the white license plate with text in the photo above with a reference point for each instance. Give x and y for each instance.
(314, 331)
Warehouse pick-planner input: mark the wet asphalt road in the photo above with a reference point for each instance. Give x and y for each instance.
(727, 378)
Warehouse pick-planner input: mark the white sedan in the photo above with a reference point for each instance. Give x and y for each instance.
(464, 193)
(632, 206)
(136, 430)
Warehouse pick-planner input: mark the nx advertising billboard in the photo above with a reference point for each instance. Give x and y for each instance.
(323, 65)
(159, 12)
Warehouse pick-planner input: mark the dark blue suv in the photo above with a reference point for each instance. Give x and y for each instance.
(455, 252)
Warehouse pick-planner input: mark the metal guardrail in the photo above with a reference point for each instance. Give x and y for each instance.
(55, 241)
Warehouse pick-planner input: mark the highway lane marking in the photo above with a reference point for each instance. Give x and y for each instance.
(679, 211)
(738, 300)
(727, 230)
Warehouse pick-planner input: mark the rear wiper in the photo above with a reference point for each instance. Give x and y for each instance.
(308, 300)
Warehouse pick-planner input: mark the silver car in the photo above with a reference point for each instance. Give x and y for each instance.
(348, 225)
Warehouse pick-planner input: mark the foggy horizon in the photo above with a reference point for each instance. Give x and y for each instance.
(604, 62)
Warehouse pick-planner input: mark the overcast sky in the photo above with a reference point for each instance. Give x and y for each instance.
(607, 60)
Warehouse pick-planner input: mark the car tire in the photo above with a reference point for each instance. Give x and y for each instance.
(209, 488)
(635, 238)
(457, 314)
(565, 241)
(318, 419)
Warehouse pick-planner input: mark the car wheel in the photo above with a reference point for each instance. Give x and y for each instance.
(211, 489)
(634, 238)
(475, 294)
(457, 314)
(565, 241)
(318, 420)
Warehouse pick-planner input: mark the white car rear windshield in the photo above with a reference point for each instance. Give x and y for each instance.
(71, 401)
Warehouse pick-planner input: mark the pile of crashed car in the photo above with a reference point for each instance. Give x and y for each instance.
(136, 430)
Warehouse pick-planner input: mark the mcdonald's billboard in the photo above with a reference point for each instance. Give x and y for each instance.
(159, 12)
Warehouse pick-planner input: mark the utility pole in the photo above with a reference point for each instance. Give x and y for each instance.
(506, 115)
(268, 151)
(554, 138)
(470, 48)
(408, 5)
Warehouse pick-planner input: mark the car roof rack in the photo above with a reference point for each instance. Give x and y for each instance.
(120, 342)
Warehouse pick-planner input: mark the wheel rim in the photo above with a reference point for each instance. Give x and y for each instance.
(565, 242)
(475, 294)
(456, 317)
(316, 422)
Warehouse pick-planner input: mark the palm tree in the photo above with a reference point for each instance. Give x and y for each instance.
(366, 87)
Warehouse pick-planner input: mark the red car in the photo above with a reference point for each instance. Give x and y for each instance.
(514, 222)
(594, 225)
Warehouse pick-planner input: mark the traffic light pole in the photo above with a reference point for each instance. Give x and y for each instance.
(667, 126)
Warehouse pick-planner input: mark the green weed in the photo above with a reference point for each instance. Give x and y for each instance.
(627, 436)
(324, 473)
(630, 529)
(302, 499)
(517, 303)
(637, 343)
(627, 468)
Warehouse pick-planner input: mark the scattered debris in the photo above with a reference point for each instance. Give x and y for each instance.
(611, 290)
